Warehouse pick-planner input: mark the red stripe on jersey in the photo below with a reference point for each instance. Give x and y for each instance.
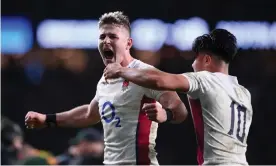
(196, 110)
(142, 135)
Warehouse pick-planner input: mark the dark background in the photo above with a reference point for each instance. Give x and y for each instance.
(69, 81)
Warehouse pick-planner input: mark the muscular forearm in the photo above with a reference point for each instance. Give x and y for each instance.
(77, 117)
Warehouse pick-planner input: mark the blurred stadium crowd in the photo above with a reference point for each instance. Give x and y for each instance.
(86, 148)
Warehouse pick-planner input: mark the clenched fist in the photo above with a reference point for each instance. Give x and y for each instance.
(35, 120)
(155, 112)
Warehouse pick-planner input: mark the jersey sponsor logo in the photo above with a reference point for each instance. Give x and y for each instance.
(113, 116)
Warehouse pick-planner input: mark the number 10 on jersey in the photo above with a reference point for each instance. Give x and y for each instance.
(235, 108)
(113, 114)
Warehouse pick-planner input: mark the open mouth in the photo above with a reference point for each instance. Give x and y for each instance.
(108, 54)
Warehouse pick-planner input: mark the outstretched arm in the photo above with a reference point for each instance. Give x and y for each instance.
(149, 78)
(81, 116)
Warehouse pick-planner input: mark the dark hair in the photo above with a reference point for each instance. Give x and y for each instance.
(117, 18)
(220, 43)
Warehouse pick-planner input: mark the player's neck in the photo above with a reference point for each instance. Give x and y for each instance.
(126, 60)
(223, 70)
(219, 68)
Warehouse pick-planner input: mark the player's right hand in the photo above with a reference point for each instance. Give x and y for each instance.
(35, 120)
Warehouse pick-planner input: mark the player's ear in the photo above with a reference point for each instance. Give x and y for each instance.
(207, 59)
(129, 43)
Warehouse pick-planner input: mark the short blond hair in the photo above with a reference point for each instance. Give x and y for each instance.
(117, 18)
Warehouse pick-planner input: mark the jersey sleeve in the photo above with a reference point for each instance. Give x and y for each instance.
(198, 83)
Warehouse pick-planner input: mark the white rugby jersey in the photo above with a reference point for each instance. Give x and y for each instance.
(128, 134)
(222, 114)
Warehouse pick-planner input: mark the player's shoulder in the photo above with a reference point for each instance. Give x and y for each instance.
(232, 82)
(200, 75)
(207, 74)
(140, 64)
(101, 81)
(245, 91)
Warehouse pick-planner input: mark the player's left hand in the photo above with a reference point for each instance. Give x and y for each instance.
(112, 70)
(155, 112)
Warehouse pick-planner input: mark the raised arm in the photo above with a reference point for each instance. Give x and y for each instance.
(149, 78)
(81, 116)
